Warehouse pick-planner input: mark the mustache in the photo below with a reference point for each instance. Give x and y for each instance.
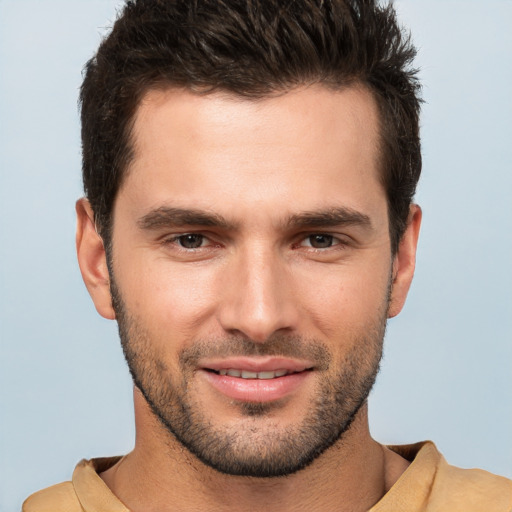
(278, 345)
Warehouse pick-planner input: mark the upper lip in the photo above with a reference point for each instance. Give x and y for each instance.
(257, 364)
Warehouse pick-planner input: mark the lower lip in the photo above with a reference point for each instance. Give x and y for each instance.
(256, 390)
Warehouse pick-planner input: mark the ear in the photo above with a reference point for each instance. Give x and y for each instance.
(92, 260)
(405, 262)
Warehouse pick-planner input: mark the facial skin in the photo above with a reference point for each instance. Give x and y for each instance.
(252, 235)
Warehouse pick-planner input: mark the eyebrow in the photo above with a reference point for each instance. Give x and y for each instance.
(339, 216)
(179, 217)
(166, 216)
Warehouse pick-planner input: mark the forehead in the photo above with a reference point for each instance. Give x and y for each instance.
(315, 114)
(305, 146)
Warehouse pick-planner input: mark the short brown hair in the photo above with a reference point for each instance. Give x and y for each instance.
(251, 48)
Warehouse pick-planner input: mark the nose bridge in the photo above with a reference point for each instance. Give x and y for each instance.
(257, 299)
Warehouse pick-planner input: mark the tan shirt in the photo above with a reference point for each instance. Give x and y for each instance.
(428, 485)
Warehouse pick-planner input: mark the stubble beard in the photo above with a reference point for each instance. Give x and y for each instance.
(248, 449)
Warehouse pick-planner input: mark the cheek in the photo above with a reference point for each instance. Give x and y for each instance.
(172, 299)
(344, 300)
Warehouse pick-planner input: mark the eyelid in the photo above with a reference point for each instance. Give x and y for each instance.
(337, 238)
(174, 238)
(338, 241)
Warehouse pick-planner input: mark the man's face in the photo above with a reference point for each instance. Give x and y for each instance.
(252, 270)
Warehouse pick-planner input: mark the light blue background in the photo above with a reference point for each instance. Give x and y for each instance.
(65, 393)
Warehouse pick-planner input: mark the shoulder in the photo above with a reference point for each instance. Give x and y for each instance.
(57, 498)
(86, 491)
(436, 486)
(475, 488)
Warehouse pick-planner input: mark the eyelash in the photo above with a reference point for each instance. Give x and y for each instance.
(335, 242)
(175, 241)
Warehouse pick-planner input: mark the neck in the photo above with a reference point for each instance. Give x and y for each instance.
(161, 475)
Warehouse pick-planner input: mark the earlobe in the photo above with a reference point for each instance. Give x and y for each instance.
(92, 260)
(405, 262)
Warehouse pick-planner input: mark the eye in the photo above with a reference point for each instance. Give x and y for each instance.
(319, 241)
(191, 241)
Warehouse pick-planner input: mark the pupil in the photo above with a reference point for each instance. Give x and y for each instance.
(191, 241)
(320, 241)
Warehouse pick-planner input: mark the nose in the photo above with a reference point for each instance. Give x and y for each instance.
(258, 296)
